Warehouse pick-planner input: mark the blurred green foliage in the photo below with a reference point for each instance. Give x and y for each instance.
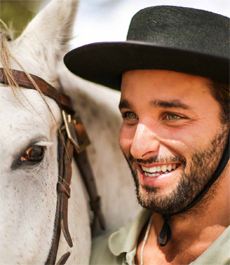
(17, 14)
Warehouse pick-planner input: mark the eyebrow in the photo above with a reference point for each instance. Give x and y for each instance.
(169, 104)
(124, 104)
(157, 103)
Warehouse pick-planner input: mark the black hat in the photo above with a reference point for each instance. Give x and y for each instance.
(171, 38)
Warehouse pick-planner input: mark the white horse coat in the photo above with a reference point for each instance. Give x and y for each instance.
(28, 191)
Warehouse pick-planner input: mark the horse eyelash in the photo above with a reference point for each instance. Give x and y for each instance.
(45, 144)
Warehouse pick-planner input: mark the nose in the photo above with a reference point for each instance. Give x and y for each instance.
(145, 142)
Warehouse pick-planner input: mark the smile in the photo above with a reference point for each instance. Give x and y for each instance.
(159, 170)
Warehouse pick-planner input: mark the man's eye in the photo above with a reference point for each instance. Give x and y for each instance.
(129, 116)
(33, 154)
(172, 117)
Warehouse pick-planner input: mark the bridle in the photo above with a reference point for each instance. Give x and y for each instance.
(74, 145)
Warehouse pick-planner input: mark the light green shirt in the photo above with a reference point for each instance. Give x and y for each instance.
(120, 247)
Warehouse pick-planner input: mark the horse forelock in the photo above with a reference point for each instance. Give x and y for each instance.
(5, 37)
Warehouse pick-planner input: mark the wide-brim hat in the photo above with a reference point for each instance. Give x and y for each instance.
(171, 38)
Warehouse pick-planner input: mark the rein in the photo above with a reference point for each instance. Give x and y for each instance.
(75, 142)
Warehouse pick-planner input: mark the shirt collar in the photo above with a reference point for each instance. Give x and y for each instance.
(125, 239)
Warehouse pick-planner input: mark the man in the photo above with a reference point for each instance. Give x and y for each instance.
(173, 73)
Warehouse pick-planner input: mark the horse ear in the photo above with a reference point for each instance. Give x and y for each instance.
(48, 34)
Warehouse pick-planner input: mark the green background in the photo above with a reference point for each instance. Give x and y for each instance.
(17, 14)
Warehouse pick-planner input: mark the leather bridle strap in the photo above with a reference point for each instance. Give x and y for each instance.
(75, 141)
(22, 80)
(95, 200)
(65, 154)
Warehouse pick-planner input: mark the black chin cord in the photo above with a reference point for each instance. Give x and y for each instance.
(166, 233)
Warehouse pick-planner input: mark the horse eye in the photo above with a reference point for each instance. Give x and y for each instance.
(34, 154)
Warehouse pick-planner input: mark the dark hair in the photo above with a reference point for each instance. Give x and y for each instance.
(222, 94)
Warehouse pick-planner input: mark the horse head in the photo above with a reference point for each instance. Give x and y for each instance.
(29, 145)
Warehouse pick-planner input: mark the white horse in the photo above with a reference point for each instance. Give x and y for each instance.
(28, 189)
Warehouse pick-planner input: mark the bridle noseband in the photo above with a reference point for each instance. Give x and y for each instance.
(74, 145)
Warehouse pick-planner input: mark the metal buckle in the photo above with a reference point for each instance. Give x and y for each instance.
(76, 132)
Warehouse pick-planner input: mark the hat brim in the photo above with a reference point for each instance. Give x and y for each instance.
(104, 63)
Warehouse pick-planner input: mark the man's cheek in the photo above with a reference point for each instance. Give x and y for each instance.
(124, 143)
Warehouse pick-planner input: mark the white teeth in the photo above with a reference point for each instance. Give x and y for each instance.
(150, 170)
(164, 168)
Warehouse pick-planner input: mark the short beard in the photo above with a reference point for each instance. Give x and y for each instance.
(199, 172)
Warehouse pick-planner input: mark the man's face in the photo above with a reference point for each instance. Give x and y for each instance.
(171, 136)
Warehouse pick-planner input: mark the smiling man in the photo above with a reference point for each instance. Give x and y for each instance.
(173, 73)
